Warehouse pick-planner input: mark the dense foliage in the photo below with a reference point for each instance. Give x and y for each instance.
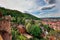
(15, 13)
(16, 35)
(34, 30)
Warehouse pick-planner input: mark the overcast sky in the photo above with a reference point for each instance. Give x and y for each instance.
(34, 7)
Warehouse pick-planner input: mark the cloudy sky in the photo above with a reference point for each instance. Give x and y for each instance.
(39, 8)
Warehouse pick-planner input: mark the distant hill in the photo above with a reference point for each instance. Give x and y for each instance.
(51, 18)
(16, 13)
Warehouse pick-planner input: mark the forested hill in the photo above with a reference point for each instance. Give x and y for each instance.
(16, 13)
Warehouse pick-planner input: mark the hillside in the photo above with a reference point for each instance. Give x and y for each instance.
(15, 25)
(17, 13)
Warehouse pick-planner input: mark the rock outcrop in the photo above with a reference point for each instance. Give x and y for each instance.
(1, 37)
(21, 29)
(5, 28)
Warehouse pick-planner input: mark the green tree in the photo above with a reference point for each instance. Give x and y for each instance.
(21, 37)
(46, 27)
(34, 30)
(16, 35)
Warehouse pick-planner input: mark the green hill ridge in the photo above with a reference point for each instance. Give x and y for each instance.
(16, 13)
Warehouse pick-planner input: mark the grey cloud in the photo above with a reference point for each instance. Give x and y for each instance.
(52, 1)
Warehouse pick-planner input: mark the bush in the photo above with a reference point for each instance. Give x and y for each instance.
(37, 38)
(34, 30)
(47, 28)
(28, 27)
(21, 37)
(34, 39)
(16, 35)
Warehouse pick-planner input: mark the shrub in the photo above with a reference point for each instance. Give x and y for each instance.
(46, 27)
(34, 39)
(28, 27)
(16, 35)
(37, 38)
(21, 37)
(34, 30)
